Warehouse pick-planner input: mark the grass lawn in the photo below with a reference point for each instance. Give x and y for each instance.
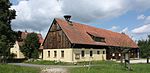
(112, 67)
(5, 68)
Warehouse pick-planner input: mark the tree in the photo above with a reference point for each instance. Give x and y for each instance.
(31, 45)
(7, 35)
(144, 46)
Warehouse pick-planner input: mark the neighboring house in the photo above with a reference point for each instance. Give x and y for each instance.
(20, 41)
(69, 41)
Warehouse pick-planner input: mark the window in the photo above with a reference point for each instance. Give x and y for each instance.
(97, 38)
(91, 53)
(62, 54)
(77, 56)
(103, 52)
(113, 54)
(55, 53)
(119, 54)
(82, 53)
(48, 53)
(98, 52)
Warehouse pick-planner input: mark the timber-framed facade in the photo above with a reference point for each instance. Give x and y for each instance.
(74, 42)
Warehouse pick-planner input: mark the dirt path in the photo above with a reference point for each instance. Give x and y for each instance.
(48, 68)
(45, 66)
(55, 70)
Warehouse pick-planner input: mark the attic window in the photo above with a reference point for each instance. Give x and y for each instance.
(97, 38)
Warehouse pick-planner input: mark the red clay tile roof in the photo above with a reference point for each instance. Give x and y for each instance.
(24, 35)
(40, 41)
(78, 34)
(40, 38)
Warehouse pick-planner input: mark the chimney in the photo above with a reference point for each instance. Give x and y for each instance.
(123, 33)
(26, 31)
(67, 17)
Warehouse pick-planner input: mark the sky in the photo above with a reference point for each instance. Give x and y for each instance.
(129, 16)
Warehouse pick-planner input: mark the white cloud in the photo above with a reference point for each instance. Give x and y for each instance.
(87, 10)
(37, 15)
(141, 17)
(142, 29)
(125, 30)
(131, 35)
(114, 28)
(140, 5)
(147, 20)
(145, 28)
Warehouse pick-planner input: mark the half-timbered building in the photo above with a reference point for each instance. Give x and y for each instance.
(69, 41)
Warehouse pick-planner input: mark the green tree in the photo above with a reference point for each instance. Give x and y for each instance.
(31, 45)
(7, 35)
(144, 46)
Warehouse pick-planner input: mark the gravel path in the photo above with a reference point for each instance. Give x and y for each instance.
(55, 70)
(44, 66)
(48, 68)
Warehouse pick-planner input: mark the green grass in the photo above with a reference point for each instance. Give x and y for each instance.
(5, 68)
(112, 67)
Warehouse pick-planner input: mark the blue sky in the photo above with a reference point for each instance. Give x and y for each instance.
(130, 17)
(14, 2)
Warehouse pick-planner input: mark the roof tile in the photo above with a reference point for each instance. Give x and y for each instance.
(78, 34)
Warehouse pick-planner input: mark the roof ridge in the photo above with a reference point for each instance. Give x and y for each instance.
(84, 24)
(77, 33)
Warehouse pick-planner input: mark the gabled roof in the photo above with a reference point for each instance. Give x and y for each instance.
(40, 38)
(79, 34)
(23, 36)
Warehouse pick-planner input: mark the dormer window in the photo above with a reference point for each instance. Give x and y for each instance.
(97, 38)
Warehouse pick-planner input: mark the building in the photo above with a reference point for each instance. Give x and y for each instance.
(69, 41)
(20, 41)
